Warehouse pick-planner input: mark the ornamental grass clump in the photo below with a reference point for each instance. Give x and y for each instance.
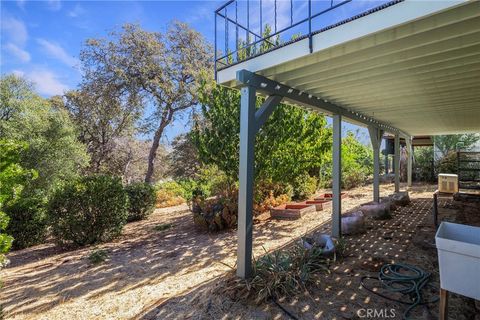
(286, 272)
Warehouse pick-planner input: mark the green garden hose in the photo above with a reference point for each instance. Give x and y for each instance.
(405, 279)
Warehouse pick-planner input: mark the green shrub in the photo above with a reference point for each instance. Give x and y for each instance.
(448, 164)
(354, 178)
(141, 200)
(208, 181)
(98, 256)
(88, 210)
(304, 186)
(171, 186)
(423, 166)
(5, 240)
(28, 222)
(162, 227)
(357, 164)
(13, 178)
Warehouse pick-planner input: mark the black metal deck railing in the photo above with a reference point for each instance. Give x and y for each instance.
(259, 26)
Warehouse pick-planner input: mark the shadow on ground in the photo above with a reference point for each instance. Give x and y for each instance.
(174, 273)
(46, 276)
(407, 238)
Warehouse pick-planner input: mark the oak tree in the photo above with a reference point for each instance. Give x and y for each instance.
(163, 69)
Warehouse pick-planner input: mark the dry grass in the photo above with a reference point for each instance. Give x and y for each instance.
(176, 273)
(167, 199)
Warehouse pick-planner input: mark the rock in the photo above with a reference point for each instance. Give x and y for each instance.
(321, 240)
(400, 198)
(375, 210)
(389, 201)
(353, 223)
(477, 305)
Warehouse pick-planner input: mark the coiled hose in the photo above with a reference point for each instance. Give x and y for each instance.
(405, 279)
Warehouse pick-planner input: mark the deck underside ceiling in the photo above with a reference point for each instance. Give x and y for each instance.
(421, 76)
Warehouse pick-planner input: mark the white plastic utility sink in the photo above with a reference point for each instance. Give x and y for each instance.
(458, 248)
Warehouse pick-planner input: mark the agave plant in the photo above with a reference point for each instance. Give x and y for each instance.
(286, 272)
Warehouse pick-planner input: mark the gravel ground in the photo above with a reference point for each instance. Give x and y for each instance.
(160, 274)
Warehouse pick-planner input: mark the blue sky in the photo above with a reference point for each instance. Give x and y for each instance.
(41, 40)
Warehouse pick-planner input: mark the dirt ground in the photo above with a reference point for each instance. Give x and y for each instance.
(179, 273)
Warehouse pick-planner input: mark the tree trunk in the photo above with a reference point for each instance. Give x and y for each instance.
(153, 154)
(127, 166)
(166, 119)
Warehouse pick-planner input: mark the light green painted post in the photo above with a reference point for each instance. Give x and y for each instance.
(337, 176)
(376, 139)
(409, 161)
(245, 192)
(397, 162)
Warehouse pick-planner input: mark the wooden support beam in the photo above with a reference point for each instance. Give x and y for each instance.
(376, 139)
(266, 110)
(443, 314)
(337, 176)
(409, 161)
(397, 162)
(246, 176)
(250, 122)
(271, 87)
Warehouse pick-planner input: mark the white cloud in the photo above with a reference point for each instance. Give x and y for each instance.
(15, 30)
(78, 10)
(46, 82)
(57, 52)
(19, 53)
(54, 5)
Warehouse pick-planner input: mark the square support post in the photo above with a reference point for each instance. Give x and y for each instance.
(387, 170)
(376, 139)
(397, 162)
(337, 176)
(409, 161)
(246, 176)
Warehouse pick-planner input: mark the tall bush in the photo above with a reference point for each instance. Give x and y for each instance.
(12, 180)
(88, 210)
(423, 166)
(28, 221)
(141, 200)
(290, 143)
(357, 163)
(448, 163)
(12, 177)
(304, 186)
